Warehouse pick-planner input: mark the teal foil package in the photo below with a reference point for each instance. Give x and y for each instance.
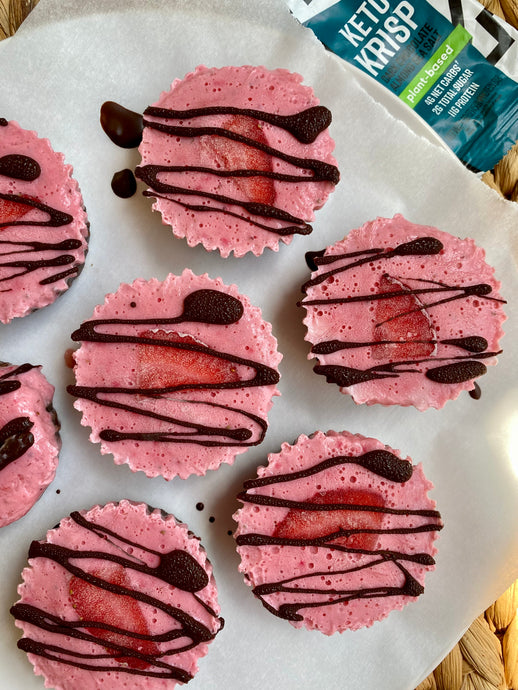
(430, 64)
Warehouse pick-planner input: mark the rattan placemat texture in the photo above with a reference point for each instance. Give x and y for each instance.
(486, 657)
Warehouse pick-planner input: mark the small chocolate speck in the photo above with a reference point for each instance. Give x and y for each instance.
(475, 392)
(58, 491)
(200, 506)
(229, 532)
(133, 304)
(212, 518)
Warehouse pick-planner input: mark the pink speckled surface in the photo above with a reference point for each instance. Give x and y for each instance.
(459, 265)
(54, 187)
(120, 365)
(337, 573)
(23, 481)
(148, 533)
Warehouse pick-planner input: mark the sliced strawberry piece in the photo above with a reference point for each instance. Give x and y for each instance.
(403, 321)
(162, 366)
(311, 524)
(11, 211)
(119, 610)
(233, 155)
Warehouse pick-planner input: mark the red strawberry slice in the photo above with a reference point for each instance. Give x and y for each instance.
(403, 321)
(11, 211)
(233, 155)
(119, 610)
(311, 524)
(162, 366)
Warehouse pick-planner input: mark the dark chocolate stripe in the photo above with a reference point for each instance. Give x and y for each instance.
(178, 569)
(305, 125)
(453, 373)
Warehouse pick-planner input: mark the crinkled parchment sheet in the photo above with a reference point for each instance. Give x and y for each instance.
(66, 60)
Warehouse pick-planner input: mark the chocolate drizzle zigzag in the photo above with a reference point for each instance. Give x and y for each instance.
(460, 367)
(207, 306)
(380, 462)
(15, 436)
(304, 126)
(175, 568)
(25, 168)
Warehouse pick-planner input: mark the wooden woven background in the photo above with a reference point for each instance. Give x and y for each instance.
(486, 658)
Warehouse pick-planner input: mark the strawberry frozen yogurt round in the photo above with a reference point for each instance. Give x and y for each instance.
(175, 377)
(121, 595)
(238, 158)
(336, 532)
(43, 224)
(406, 314)
(29, 439)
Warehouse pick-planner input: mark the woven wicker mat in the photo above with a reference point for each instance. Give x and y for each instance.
(486, 658)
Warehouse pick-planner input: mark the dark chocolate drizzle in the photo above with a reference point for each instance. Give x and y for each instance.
(55, 219)
(176, 568)
(207, 306)
(15, 436)
(455, 372)
(380, 462)
(305, 126)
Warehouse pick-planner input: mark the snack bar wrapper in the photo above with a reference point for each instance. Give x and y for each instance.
(458, 75)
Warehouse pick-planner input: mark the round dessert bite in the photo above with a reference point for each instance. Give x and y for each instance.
(336, 532)
(43, 224)
(29, 439)
(399, 313)
(175, 377)
(238, 158)
(121, 593)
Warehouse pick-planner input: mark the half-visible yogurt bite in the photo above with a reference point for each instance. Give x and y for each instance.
(43, 224)
(336, 531)
(29, 439)
(236, 158)
(176, 377)
(406, 314)
(121, 595)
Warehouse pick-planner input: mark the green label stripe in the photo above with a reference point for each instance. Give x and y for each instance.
(435, 67)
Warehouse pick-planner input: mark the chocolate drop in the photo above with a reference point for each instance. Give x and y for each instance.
(124, 184)
(124, 127)
(475, 392)
(456, 372)
(20, 167)
(212, 306)
(419, 246)
(181, 570)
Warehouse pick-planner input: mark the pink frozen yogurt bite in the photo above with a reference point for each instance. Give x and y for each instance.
(238, 158)
(336, 531)
(29, 439)
(121, 595)
(405, 314)
(43, 224)
(176, 377)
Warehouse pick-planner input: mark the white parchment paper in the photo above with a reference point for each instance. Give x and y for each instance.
(66, 60)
